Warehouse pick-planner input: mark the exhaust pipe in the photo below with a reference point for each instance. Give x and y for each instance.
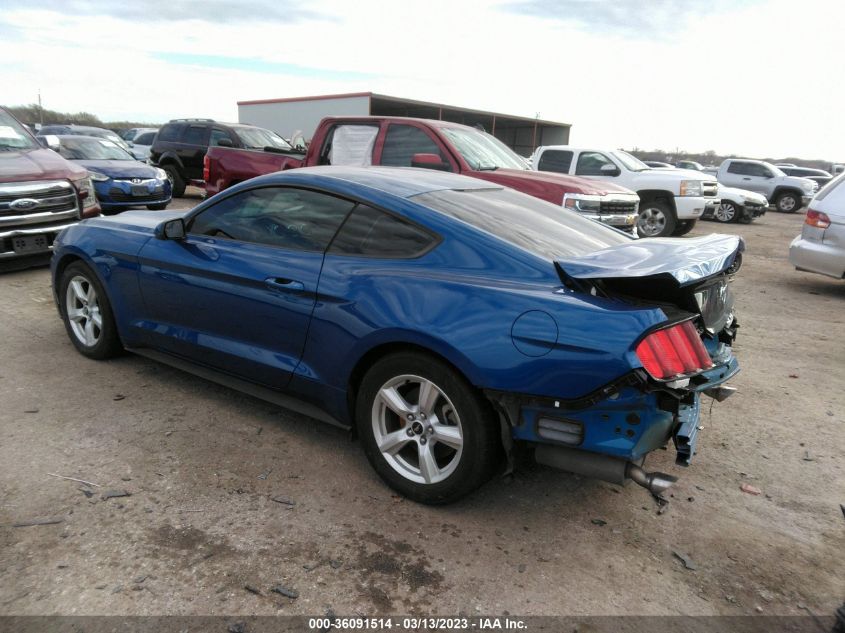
(611, 469)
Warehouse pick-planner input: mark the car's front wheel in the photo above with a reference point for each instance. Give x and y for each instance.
(727, 212)
(788, 202)
(656, 219)
(684, 227)
(427, 432)
(87, 313)
(177, 183)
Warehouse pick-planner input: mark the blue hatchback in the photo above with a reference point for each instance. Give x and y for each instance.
(120, 181)
(443, 318)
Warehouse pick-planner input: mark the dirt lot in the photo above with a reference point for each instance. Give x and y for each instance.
(202, 464)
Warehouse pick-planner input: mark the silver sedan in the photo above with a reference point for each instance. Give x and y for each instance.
(821, 246)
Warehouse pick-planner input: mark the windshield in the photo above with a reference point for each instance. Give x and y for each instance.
(537, 226)
(13, 136)
(631, 163)
(259, 138)
(482, 151)
(81, 148)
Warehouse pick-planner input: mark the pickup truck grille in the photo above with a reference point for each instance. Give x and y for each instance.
(621, 207)
(709, 188)
(20, 203)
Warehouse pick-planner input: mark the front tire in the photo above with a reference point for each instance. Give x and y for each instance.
(656, 219)
(87, 314)
(727, 212)
(427, 432)
(684, 227)
(177, 183)
(788, 202)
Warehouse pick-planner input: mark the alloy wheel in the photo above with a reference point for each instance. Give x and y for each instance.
(417, 429)
(651, 221)
(726, 212)
(82, 307)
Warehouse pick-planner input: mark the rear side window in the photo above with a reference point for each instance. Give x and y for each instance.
(350, 145)
(403, 141)
(369, 232)
(145, 139)
(196, 135)
(555, 160)
(170, 132)
(738, 168)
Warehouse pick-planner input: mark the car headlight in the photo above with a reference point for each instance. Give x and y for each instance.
(98, 177)
(85, 188)
(809, 186)
(161, 174)
(582, 202)
(690, 187)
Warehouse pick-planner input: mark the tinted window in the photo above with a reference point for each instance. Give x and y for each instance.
(738, 168)
(195, 135)
(372, 233)
(170, 132)
(403, 141)
(295, 219)
(590, 164)
(217, 134)
(534, 225)
(555, 160)
(758, 170)
(145, 139)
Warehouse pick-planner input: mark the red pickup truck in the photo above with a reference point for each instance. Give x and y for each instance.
(41, 193)
(406, 142)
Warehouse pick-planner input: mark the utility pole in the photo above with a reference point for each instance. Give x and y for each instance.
(40, 108)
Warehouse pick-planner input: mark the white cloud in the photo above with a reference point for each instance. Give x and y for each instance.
(758, 80)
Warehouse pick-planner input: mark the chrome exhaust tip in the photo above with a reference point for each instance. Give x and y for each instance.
(656, 483)
(720, 393)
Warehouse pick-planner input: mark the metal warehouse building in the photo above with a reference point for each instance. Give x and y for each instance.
(285, 116)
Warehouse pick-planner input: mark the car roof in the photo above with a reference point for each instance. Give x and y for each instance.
(403, 182)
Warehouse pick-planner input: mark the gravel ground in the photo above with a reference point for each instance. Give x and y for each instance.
(203, 465)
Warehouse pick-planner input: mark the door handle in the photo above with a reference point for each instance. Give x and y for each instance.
(287, 285)
(747, 178)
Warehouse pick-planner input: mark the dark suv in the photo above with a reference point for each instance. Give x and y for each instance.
(181, 144)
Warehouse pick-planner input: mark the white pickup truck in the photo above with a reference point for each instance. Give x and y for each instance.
(671, 200)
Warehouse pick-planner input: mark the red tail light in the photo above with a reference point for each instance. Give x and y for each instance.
(817, 219)
(205, 167)
(673, 351)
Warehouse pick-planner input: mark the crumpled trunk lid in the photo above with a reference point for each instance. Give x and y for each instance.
(685, 260)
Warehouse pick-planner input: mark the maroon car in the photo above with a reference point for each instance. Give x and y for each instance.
(41, 193)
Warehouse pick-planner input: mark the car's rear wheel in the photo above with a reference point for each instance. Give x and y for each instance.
(426, 431)
(788, 202)
(727, 212)
(87, 313)
(656, 219)
(177, 183)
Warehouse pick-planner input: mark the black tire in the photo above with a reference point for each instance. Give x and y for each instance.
(177, 183)
(656, 219)
(107, 342)
(727, 212)
(684, 227)
(157, 207)
(456, 402)
(788, 202)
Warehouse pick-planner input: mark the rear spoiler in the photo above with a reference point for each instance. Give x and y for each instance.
(687, 260)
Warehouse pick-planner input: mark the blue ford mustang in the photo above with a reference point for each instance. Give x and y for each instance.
(120, 181)
(443, 318)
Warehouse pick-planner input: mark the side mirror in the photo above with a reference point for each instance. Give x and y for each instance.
(171, 230)
(50, 142)
(225, 142)
(609, 170)
(130, 144)
(429, 161)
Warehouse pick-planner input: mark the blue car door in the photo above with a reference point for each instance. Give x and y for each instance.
(238, 292)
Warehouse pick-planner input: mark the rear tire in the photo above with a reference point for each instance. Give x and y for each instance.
(177, 183)
(656, 219)
(87, 314)
(788, 202)
(435, 451)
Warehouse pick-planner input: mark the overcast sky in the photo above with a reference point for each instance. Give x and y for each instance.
(753, 77)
